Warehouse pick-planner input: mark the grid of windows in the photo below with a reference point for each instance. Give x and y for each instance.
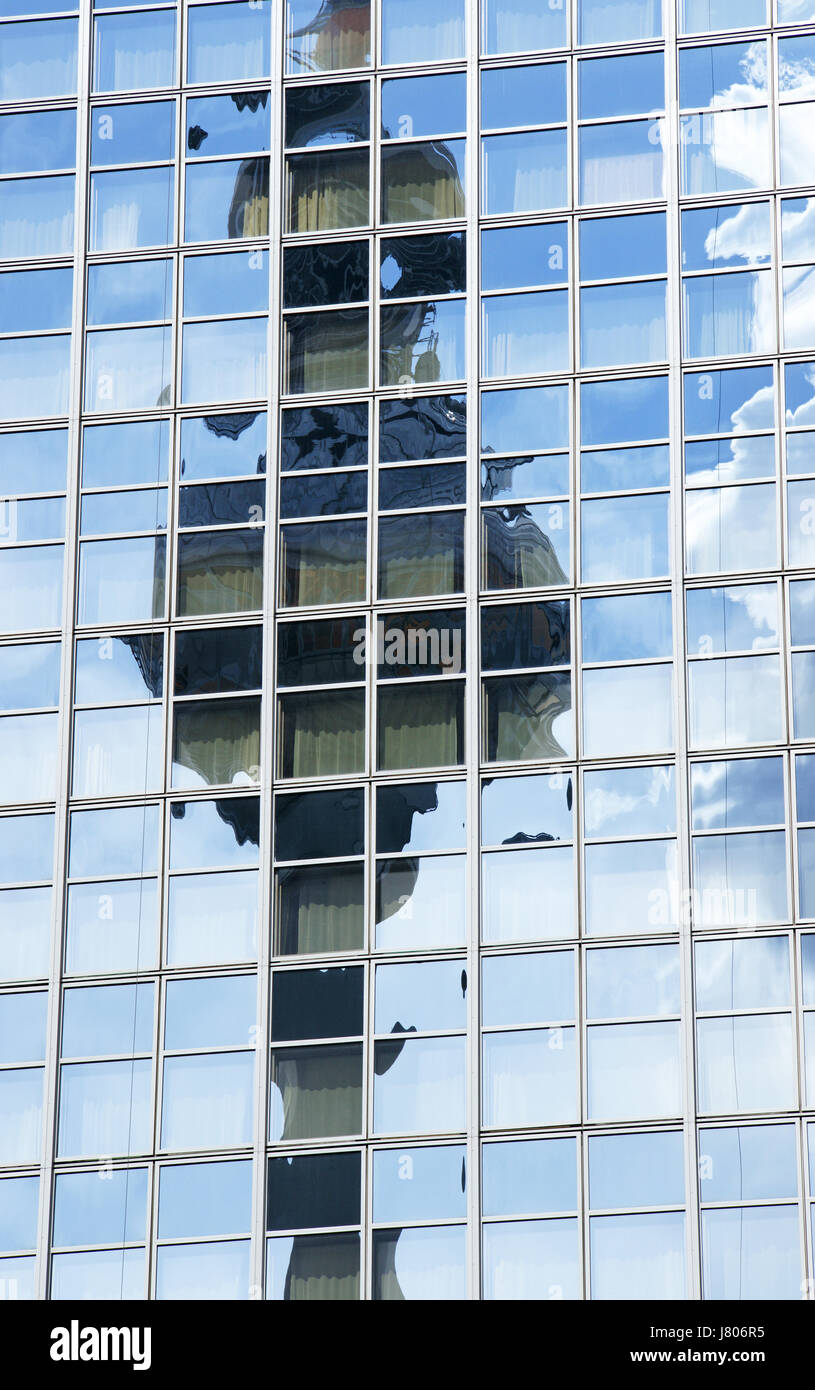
(407, 649)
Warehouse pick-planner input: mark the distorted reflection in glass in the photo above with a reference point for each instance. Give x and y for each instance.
(426, 1263)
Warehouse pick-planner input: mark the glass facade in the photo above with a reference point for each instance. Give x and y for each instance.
(407, 818)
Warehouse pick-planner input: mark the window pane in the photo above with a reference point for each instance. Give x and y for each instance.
(526, 334)
(604, 21)
(37, 217)
(745, 1063)
(134, 50)
(224, 360)
(424, 1263)
(421, 183)
(207, 1101)
(420, 903)
(638, 1257)
(316, 1092)
(627, 709)
(751, 1252)
(524, 172)
(111, 927)
(735, 701)
(529, 896)
(624, 539)
(621, 163)
(39, 60)
(622, 323)
(422, 31)
(228, 42)
(314, 46)
(633, 1071)
(313, 1268)
(34, 377)
(530, 1077)
(105, 1107)
(531, 1260)
(631, 887)
(724, 151)
(216, 1270)
(419, 1085)
(320, 909)
(228, 199)
(513, 26)
(528, 718)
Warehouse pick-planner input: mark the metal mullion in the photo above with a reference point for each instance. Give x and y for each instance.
(472, 751)
(59, 891)
(277, 165)
(675, 380)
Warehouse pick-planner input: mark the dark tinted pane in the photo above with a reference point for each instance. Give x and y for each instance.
(423, 265)
(317, 1004)
(228, 658)
(327, 115)
(421, 555)
(425, 428)
(324, 562)
(328, 274)
(524, 635)
(421, 644)
(325, 352)
(319, 653)
(323, 494)
(439, 486)
(327, 190)
(320, 825)
(521, 714)
(320, 38)
(217, 741)
(220, 573)
(320, 908)
(519, 552)
(222, 504)
(425, 731)
(313, 1190)
(324, 436)
(223, 446)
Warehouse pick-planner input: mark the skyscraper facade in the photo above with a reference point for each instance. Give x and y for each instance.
(407, 649)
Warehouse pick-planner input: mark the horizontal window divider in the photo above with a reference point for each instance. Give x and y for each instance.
(629, 492)
(101, 1245)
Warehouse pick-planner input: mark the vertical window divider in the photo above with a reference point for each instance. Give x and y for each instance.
(59, 891)
(671, 153)
(268, 723)
(472, 722)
